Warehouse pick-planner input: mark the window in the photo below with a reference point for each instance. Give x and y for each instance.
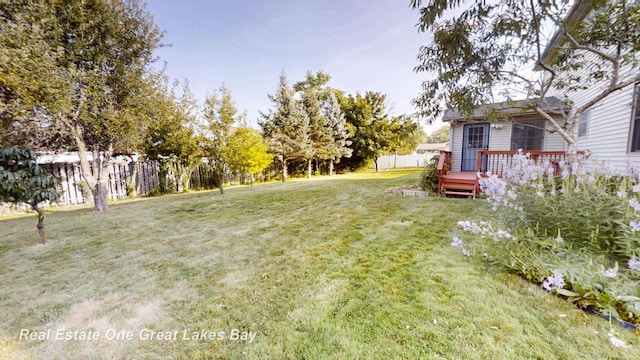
(635, 121)
(528, 135)
(583, 124)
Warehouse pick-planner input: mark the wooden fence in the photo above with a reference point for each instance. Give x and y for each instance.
(143, 177)
(121, 180)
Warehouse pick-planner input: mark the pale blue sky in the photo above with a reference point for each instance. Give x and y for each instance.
(364, 45)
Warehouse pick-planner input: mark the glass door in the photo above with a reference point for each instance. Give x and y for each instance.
(475, 138)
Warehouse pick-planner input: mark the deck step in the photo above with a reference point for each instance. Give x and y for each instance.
(459, 186)
(464, 193)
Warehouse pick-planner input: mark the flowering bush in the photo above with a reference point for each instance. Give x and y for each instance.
(577, 233)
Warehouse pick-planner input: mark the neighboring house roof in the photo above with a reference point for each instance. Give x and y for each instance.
(432, 147)
(551, 105)
(577, 13)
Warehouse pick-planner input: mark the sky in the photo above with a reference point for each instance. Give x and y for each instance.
(363, 45)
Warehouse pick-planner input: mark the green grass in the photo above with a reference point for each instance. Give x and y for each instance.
(333, 268)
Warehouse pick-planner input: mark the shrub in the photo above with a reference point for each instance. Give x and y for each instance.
(429, 178)
(577, 234)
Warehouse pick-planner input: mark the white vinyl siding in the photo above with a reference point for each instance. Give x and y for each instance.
(609, 124)
(456, 146)
(500, 136)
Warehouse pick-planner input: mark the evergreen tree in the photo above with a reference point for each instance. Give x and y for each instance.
(314, 94)
(339, 146)
(286, 129)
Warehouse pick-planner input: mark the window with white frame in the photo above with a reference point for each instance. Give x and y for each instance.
(583, 124)
(635, 121)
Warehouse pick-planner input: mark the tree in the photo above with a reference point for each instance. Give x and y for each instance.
(169, 136)
(480, 55)
(247, 152)
(22, 180)
(369, 127)
(439, 135)
(336, 124)
(286, 129)
(94, 55)
(405, 135)
(219, 117)
(313, 93)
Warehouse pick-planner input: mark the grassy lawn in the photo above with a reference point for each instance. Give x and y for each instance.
(333, 268)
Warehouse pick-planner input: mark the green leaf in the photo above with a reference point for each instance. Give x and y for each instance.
(566, 292)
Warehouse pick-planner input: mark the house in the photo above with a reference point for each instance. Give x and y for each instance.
(609, 130)
(523, 130)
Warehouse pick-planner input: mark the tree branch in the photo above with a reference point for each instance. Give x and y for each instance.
(579, 46)
(608, 91)
(568, 138)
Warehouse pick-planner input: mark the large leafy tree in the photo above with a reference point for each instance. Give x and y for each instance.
(219, 114)
(74, 74)
(169, 135)
(247, 152)
(439, 135)
(406, 134)
(482, 54)
(22, 180)
(286, 128)
(369, 128)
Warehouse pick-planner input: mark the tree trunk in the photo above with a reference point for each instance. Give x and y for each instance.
(284, 170)
(100, 196)
(251, 179)
(96, 174)
(135, 179)
(41, 232)
(309, 165)
(318, 166)
(221, 182)
(330, 167)
(375, 160)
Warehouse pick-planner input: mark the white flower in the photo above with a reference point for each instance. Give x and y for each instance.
(457, 242)
(469, 226)
(621, 193)
(465, 252)
(616, 342)
(610, 273)
(634, 264)
(559, 239)
(556, 280)
(636, 188)
(635, 226)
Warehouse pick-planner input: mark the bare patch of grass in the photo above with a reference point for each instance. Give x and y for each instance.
(332, 268)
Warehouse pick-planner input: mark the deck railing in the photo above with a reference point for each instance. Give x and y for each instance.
(444, 166)
(496, 162)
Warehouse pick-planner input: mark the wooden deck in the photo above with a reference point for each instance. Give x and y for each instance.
(465, 183)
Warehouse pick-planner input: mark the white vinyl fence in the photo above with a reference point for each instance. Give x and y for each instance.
(400, 161)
